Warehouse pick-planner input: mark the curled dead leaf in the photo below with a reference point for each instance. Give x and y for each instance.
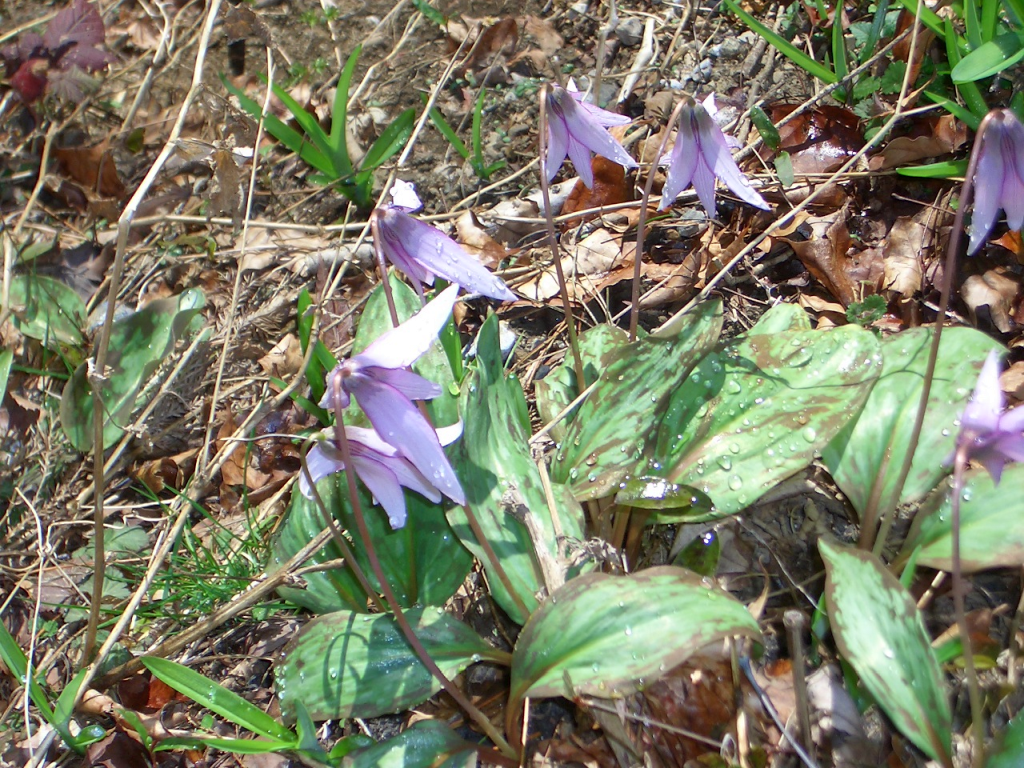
(993, 293)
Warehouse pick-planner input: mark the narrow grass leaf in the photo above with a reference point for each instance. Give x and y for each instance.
(447, 131)
(972, 26)
(991, 534)
(338, 139)
(6, 358)
(217, 699)
(604, 635)
(391, 140)
(137, 345)
(969, 91)
(949, 169)
(236, 746)
(425, 744)
(880, 632)
(785, 47)
(501, 479)
(855, 456)
(349, 664)
(608, 436)
(760, 410)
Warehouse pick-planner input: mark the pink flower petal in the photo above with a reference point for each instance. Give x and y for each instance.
(402, 346)
(982, 412)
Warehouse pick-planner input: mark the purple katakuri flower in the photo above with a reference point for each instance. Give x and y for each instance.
(989, 435)
(999, 179)
(379, 379)
(379, 466)
(423, 252)
(701, 153)
(576, 128)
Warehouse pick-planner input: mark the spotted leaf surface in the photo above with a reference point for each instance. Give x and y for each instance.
(603, 634)
(425, 744)
(760, 410)
(881, 634)
(855, 456)
(991, 534)
(349, 664)
(607, 437)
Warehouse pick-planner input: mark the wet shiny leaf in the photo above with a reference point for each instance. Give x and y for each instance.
(349, 664)
(760, 410)
(425, 744)
(991, 534)
(854, 457)
(502, 481)
(701, 555)
(607, 438)
(881, 634)
(47, 310)
(602, 635)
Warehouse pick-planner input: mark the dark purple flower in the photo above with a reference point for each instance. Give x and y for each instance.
(379, 466)
(379, 379)
(576, 128)
(999, 180)
(423, 252)
(991, 436)
(700, 155)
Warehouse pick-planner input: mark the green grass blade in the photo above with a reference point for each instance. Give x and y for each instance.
(949, 169)
(305, 120)
(447, 131)
(283, 132)
(839, 47)
(972, 23)
(989, 19)
(966, 116)
(785, 47)
(989, 59)
(6, 358)
(478, 147)
(391, 140)
(339, 117)
(969, 91)
(237, 746)
(1015, 9)
(17, 662)
(218, 699)
(875, 32)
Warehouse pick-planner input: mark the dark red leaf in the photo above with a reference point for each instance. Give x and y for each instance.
(79, 23)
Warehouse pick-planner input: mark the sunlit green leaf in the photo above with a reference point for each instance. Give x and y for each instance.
(501, 479)
(602, 635)
(991, 533)
(989, 59)
(47, 309)
(425, 744)
(137, 345)
(762, 409)
(348, 664)
(880, 632)
(607, 437)
(856, 455)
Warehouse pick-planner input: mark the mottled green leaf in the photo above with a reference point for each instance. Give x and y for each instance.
(855, 455)
(991, 530)
(607, 438)
(349, 664)
(47, 309)
(137, 345)
(425, 744)
(493, 462)
(881, 634)
(423, 561)
(556, 390)
(760, 410)
(602, 635)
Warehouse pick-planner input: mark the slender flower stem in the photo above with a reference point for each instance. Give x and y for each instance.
(871, 513)
(400, 618)
(641, 225)
(570, 323)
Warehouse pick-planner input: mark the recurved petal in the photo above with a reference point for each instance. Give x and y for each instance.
(581, 158)
(439, 255)
(322, 460)
(719, 158)
(682, 163)
(983, 410)
(388, 220)
(988, 186)
(588, 132)
(402, 346)
(400, 423)
(1013, 183)
(384, 486)
(410, 384)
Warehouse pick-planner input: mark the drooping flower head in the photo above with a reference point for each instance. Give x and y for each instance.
(989, 435)
(999, 180)
(576, 128)
(379, 379)
(423, 252)
(700, 155)
(379, 465)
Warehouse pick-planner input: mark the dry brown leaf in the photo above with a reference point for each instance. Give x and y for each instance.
(284, 360)
(544, 32)
(610, 188)
(824, 254)
(475, 240)
(590, 260)
(902, 253)
(1012, 381)
(820, 140)
(994, 292)
(830, 313)
(942, 135)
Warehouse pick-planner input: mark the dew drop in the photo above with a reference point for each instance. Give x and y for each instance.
(735, 482)
(725, 462)
(809, 434)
